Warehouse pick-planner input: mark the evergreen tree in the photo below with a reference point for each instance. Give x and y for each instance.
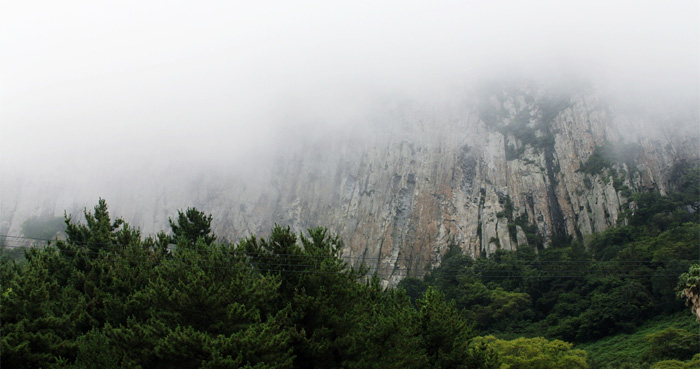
(190, 226)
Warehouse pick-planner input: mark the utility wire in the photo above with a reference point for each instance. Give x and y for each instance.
(286, 268)
(379, 259)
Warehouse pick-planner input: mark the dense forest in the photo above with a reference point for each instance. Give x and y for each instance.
(105, 296)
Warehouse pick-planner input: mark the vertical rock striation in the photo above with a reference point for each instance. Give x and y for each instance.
(502, 167)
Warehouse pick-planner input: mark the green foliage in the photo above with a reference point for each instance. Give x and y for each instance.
(614, 306)
(630, 350)
(607, 155)
(601, 158)
(92, 342)
(513, 232)
(657, 212)
(414, 287)
(107, 298)
(43, 228)
(502, 308)
(446, 333)
(671, 343)
(677, 364)
(15, 253)
(531, 234)
(291, 301)
(190, 226)
(99, 234)
(609, 161)
(535, 353)
(623, 277)
(529, 124)
(685, 180)
(606, 245)
(689, 288)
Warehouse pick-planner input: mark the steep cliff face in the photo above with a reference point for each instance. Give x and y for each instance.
(488, 170)
(509, 168)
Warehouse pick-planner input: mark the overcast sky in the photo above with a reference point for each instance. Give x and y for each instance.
(85, 83)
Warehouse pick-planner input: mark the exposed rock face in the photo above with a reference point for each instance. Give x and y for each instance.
(497, 171)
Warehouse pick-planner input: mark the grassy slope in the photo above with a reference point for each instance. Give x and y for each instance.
(627, 350)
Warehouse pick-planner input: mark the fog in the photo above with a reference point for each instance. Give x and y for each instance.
(93, 90)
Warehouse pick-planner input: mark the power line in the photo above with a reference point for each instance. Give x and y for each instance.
(286, 268)
(377, 259)
(314, 268)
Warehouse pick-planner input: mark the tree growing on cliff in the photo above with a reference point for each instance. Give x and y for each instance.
(689, 288)
(43, 227)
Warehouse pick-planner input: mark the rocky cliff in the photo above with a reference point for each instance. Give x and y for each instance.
(497, 167)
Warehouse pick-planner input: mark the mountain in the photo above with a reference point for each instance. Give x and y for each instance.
(492, 167)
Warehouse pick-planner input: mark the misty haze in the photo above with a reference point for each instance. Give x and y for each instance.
(491, 178)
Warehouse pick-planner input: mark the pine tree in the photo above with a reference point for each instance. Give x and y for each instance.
(190, 226)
